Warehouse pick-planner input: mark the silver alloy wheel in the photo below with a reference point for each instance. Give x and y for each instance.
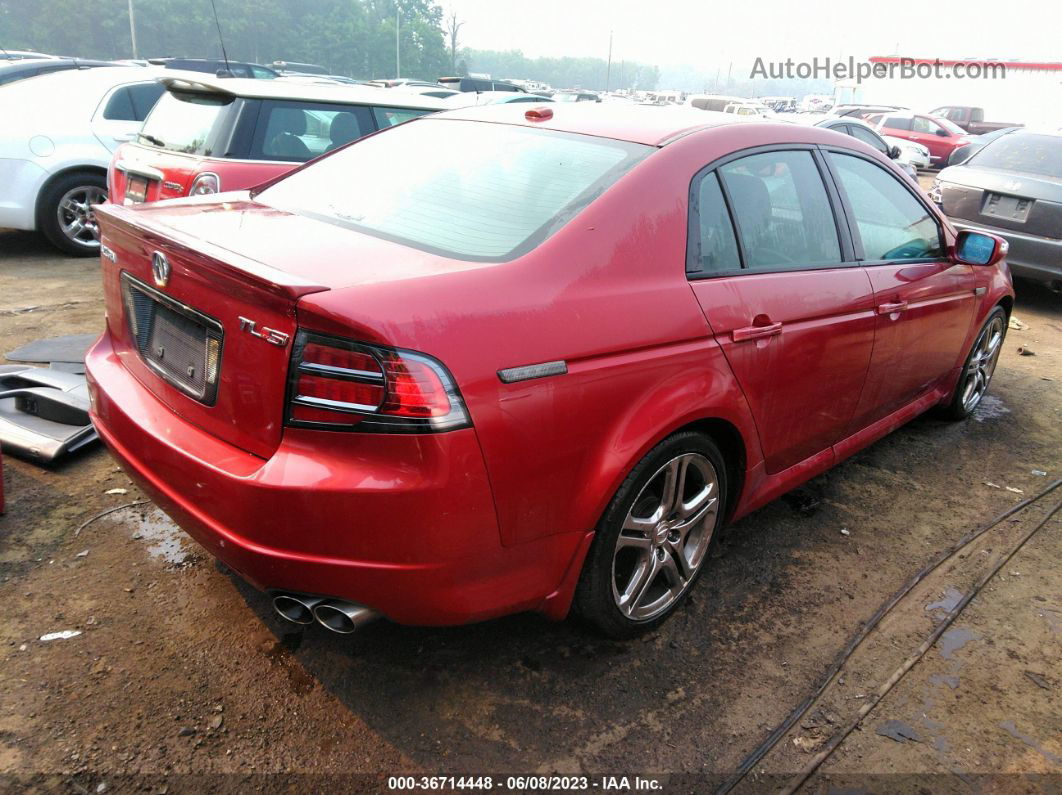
(76, 217)
(982, 364)
(665, 536)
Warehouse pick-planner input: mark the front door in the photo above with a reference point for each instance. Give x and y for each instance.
(791, 309)
(924, 302)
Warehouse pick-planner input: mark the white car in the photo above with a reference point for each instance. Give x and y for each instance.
(56, 142)
(910, 152)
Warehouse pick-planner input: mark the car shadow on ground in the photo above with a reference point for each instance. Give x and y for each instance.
(758, 630)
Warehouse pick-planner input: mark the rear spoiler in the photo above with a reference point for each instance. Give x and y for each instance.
(185, 84)
(114, 218)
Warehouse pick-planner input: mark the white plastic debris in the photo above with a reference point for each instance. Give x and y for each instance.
(844, 531)
(1016, 491)
(990, 483)
(64, 635)
(1038, 473)
(116, 491)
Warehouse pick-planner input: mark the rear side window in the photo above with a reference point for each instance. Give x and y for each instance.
(133, 103)
(892, 224)
(299, 131)
(712, 245)
(498, 192)
(782, 211)
(389, 117)
(187, 122)
(898, 122)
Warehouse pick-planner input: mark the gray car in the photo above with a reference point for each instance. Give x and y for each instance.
(1013, 188)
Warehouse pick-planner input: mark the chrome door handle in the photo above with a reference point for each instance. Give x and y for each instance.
(888, 309)
(755, 332)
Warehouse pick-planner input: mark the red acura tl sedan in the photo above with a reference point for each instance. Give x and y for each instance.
(511, 359)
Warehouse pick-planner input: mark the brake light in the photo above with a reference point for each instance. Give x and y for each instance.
(339, 384)
(205, 184)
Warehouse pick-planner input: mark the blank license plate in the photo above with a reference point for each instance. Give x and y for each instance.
(1013, 208)
(135, 190)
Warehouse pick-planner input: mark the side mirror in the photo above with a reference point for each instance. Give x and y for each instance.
(942, 132)
(894, 152)
(979, 248)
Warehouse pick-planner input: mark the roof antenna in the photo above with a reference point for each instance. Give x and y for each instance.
(228, 70)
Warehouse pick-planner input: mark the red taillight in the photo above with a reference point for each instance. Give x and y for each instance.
(339, 384)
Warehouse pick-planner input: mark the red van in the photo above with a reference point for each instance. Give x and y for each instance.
(220, 134)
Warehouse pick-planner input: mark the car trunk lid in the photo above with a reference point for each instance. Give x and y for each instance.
(205, 329)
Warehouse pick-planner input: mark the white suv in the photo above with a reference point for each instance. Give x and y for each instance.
(56, 141)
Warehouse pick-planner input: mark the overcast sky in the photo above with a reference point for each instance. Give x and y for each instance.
(707, 33)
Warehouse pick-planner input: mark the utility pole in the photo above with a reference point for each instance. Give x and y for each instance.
(398, 48)
(608, 70)
(132, 28)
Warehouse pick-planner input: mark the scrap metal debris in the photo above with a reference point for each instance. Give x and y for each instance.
(64, 635)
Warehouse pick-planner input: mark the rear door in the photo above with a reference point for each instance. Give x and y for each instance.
(792, 310)
(924, 301)
(123, 110)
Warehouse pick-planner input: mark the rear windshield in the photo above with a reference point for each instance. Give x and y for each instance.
(1027, 153)
(186, 122)
(468, 190)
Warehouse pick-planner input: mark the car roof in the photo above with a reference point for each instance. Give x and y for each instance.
(290, 89)
(642, 124)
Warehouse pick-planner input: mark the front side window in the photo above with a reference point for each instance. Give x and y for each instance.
(467, 190)
(892, 224)
(923, 125)
(713, 247)
(868, 137)
(782, 211)
(299, 131)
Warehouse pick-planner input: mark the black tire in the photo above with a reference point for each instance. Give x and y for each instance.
(957, 408)
(595, 598)
(48, 212)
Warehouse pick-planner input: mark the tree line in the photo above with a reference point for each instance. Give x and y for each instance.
(349, 37)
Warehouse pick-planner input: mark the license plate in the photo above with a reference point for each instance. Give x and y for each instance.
(135, 190)
(1012, 208)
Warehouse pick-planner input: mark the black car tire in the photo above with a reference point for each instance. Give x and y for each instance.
(48, 210)
(956, 407)
(595, 599)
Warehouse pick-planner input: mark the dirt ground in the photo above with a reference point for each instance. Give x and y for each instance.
(182, 679)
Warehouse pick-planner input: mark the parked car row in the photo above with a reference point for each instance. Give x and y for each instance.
(208, 134)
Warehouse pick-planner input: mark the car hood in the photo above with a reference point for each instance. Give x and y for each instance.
(1012, 183)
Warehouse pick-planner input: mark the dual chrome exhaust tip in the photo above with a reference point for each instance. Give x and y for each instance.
(332, 614)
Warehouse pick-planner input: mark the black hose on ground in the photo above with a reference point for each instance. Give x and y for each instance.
(831, 746)
(753, 758)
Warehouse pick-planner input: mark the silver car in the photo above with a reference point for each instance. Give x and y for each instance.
(1013, 188)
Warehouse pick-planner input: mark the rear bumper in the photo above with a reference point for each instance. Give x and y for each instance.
(404, 524)
(1030, 256)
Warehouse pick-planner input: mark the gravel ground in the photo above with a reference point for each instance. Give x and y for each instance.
(181, 678)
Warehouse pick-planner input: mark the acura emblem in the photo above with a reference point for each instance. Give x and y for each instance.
(160, 269)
